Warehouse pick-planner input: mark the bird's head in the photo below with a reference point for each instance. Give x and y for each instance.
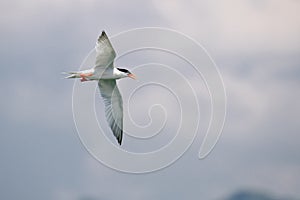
(127, 73)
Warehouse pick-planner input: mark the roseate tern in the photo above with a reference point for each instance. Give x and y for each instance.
(106, 74)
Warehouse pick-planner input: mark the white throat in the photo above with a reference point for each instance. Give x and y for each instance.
(118, 74)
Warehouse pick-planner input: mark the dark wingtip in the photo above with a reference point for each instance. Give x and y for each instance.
(120, 140)
(103, 36)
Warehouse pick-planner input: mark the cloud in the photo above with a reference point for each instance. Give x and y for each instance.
(237, 27)
(255, 44)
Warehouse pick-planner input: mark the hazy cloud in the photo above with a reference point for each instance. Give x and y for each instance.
(256, 46)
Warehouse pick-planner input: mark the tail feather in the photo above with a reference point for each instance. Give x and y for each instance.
(70, 74)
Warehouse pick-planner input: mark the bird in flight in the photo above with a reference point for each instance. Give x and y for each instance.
(106, 74)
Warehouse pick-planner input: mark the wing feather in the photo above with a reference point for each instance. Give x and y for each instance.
(113, 106)
(105, 53)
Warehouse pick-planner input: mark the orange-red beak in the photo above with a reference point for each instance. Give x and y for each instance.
(132, 76)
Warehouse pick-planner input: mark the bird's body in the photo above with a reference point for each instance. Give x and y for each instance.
(95, 75)
(106, 74)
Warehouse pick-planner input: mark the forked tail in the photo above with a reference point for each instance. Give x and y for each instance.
(71, 74)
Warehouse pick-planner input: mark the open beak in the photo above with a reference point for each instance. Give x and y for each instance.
(132, 76)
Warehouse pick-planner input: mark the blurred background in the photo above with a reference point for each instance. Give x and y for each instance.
(256, 45)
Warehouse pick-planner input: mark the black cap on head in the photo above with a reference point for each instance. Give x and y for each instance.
(124, 70)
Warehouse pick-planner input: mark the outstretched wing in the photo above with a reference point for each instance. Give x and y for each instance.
(113, 106)
(105, 54)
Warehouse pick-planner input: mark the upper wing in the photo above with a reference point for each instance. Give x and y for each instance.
(113, 106)
(105, 54)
